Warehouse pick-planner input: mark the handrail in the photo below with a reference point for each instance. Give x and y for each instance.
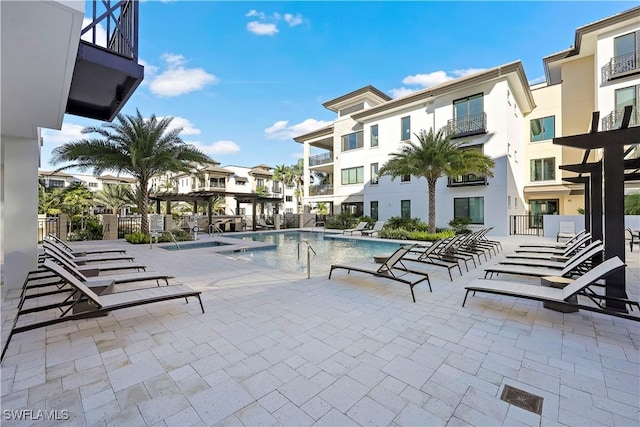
(213, 229)
(160, 233)
(309, 250)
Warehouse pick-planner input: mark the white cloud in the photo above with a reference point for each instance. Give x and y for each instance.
(101, 33)
(293, 20)
(187, 126)
(254, 12)
(262, 28)
(297, 155)
(68, 133)
(430, 79)
(537, 80)
(178, 80)
(149, 70)
(282, 130)
(218, 147)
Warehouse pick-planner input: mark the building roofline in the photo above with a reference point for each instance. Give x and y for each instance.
(431, 92)
(324, 131)
(333, 102)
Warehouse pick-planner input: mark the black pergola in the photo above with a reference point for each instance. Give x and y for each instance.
(606, 182)
(207, 196)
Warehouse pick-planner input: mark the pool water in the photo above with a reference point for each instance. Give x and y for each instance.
(328, 250)
(187, 245)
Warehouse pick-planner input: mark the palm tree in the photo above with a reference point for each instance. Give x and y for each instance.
(435, 156)
(134, 145)
(114, 197)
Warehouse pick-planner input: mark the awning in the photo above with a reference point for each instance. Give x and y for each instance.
(547, 189)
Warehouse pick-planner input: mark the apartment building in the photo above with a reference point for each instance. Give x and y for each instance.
(52, 180)
(485, 111)
(495, 111)
(600, 72)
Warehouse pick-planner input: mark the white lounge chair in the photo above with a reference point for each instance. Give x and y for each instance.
(360, 227)
(578, 287)
(566, 230)
(376, 228)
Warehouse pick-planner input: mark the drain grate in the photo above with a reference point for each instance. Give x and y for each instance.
(522, 399)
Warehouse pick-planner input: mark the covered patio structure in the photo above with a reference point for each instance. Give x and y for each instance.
(207, 197)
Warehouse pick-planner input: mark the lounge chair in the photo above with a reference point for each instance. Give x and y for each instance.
(392, 268)
(49, 245)
(99, 304)
(566, 230)
(85, 250)
(582, 240)
(360, 227)
(633, 236)
(263, 224)
(578, 287)
(554, 245)
(577, 264)
(552, 262)
(376, 228)
(428, 255)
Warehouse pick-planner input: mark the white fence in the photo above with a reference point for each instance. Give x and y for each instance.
(552, 223)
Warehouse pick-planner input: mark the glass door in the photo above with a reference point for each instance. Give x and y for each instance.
(537, 208)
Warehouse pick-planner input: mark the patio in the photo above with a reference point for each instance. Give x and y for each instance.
(277, 348)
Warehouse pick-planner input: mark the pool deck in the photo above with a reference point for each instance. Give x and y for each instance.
(275, 348)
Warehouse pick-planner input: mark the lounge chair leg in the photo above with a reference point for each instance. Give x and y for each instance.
(465, 298)
(412, 294)
(429, 282)
(200, 300)
(450, 277)
(6, 345)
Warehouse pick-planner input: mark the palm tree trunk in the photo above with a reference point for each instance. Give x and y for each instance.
(432, 205)
(142, 207)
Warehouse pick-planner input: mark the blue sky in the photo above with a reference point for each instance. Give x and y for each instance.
(244, 78)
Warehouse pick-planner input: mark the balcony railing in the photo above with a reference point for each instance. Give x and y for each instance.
(468, 125)
(468, 179)
(320, 189)
(620, 66)
(321, 159)
(120, 21)
(610, 121)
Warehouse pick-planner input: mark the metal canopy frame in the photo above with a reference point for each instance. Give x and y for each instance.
(611, 171)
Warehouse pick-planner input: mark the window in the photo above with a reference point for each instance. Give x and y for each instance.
(355, 209)
(353, 175)
(374, 210)
(509, 202)
(288, 210)
(627, 96)
(405, 209)
(288, 198)
(543, 169)
(405, 178)
(56, 183)
(217, 182)
(543, 128)
(405, 128)
(625, 48)
(352, 141)
(374, 174)
(93, 184)
(374, 135)
(259, 183)
(472, 207)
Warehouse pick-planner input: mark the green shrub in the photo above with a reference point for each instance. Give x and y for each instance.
(178, 234)
(137, 238)
(394, 233)
(431, 237)
(461, 224)
(410, 224)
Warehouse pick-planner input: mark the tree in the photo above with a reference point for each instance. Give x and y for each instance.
(132, 144)
(632, 204)
(115, 197)
(49, 202)
(435, 156)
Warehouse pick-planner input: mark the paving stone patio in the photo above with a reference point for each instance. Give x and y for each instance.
(275, 348)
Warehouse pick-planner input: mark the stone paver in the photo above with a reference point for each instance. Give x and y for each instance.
(276, 348)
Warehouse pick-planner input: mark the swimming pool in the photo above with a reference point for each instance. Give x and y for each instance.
(328, 250)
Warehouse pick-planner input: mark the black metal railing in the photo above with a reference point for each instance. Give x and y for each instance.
(532, 225)
(128, 225)
(468, 125)
(49, 225)
(611, 121)
(321, 159)
(468, 179)
(119, 19)
(320, 189)
(620, 66)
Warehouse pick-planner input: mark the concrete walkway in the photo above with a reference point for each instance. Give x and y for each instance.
(276, 348)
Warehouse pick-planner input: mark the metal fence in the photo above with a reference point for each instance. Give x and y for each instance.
(532, 225)
(47, 226)
(128, 225)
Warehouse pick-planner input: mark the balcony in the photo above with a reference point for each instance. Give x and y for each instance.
(320, 189)
(610, 121)
(321, 159)
(621, 66)
(466, 180)
(107, 71)
(467, 126)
